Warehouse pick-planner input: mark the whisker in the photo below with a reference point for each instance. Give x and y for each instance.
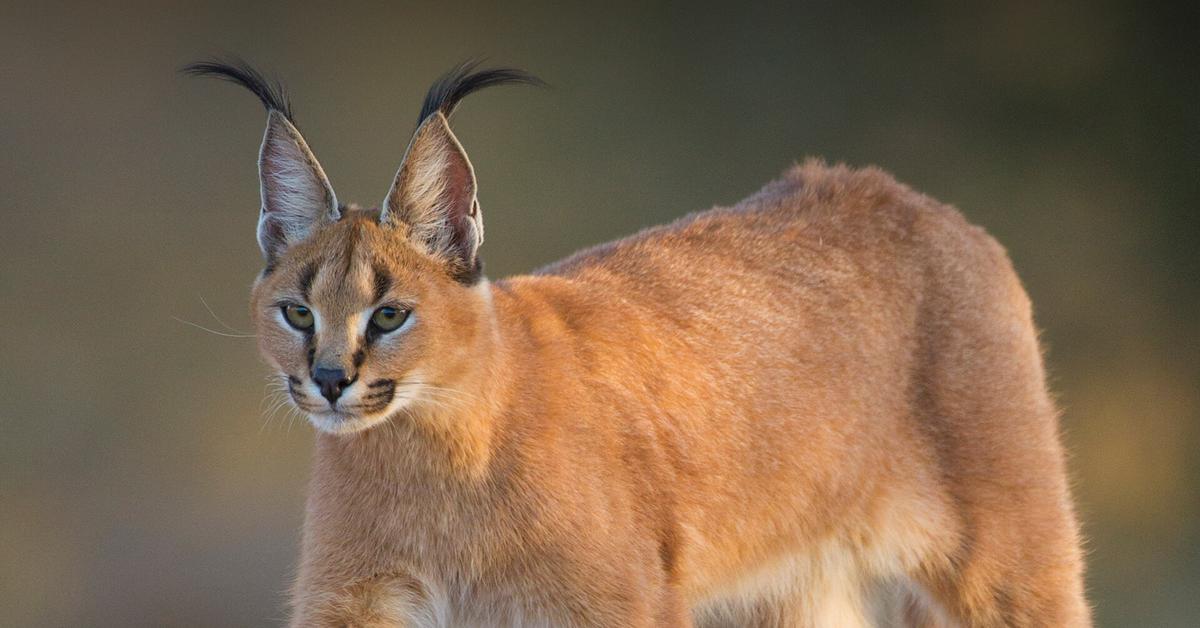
(218, 318)
(278, 401)
(271, 417)
(279, 398)
(441, 404)
(450, 393)
(213, 331)
(292, 414)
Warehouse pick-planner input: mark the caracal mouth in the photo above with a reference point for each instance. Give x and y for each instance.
(344, 421)
(351, 413)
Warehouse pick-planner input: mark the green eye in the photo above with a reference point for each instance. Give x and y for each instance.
(298, 316)
(388, 318)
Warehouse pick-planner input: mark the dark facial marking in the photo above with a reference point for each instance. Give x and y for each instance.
(351, 246)
(381, 393)
(359, 357)
(382, 281)
(469, 276)
(306, 280)
(294, 388)
(377, 401)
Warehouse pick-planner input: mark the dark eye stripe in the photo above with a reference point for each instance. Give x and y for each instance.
(306, 280)
(382, 281)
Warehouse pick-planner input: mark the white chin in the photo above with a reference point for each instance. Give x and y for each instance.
(346, 423)
(338, 423)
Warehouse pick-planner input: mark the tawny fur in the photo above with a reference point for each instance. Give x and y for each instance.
(824, 406)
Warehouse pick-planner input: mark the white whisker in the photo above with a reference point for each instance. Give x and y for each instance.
(444, 395)
(276, 398)
(278, 401)
(213, 331)
(218, 318)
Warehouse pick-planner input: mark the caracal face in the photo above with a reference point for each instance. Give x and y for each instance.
(357, 298)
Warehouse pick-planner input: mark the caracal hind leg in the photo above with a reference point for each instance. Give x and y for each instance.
(983, 404)
(1013, 574)
(1015, 560)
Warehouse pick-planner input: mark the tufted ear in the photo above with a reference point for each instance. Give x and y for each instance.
(433, 198)
(296, 195)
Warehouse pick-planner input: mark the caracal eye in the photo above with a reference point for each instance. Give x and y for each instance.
(298, 316)
(388, 318)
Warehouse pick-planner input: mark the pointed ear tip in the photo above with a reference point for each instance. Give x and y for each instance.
(275, 116)
(435, 120)
(279, 119)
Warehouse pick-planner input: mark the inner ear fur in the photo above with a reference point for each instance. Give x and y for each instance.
(434, 198)
(296, 194)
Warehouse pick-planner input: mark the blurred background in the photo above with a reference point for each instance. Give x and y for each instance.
(144, 482)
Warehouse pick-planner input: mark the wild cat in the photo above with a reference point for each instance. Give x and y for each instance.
(824, 406)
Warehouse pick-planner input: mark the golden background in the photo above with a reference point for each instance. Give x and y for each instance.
(141, 482)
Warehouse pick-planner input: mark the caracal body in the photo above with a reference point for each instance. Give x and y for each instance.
(816, 408)
(822, 407)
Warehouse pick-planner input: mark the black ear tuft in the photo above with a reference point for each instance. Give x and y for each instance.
(271, 92)
(452, 87)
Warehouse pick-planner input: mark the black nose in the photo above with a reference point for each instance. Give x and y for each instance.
(332, 382)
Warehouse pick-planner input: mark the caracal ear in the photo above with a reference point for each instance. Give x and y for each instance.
(296, 195)
(433, 198)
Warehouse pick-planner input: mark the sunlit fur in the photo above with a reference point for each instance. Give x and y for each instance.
(824, 406)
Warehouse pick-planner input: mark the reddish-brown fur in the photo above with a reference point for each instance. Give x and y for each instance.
(824, 406)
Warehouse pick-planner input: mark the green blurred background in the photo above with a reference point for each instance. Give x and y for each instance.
(141, 482)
